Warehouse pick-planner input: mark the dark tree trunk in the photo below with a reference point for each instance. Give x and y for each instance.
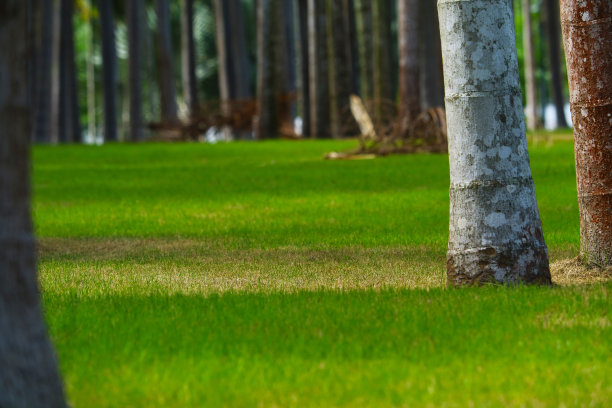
(554, 52)
(109, 70)
(303, 77)
(135, 16)
(343, 123)
(409, 98)
(365, 35)
(383, 72)
(165, 73)
(287, 59)
(190, 91)
(318, 70)
(432, 79)
(42, 119)
(351, 35)
(28, 374)
(587, 35)
(269, 78)
(69, 121)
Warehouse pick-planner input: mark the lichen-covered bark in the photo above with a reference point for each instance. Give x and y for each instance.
(587, 35)
(495, 231)
(28, 370)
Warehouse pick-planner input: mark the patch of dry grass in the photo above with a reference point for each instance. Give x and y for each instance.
(573, 271)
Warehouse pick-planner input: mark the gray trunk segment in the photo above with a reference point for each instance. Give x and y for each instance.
(409, 81)
(167, 89)
(135, 16)
(28, 368)
(109, 70)
(495, 234)
(190, 92)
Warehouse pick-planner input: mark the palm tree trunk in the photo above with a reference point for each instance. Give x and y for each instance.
(587, 35)
(432, 79)
(29, 375)
(365, 35)
(495, 229)
(303, 65)
(69, 122)
(42, 119)
(109, 70)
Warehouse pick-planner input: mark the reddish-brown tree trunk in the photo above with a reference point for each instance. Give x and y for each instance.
(587, 35)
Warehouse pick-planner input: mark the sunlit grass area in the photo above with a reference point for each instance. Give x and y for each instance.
(260, 274)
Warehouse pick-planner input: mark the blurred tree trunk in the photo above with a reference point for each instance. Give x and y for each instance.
(135, 16)
(42, 119)
(409, 92)
(340, 77)
(109, 70)
(554, 52)
(269, 78)
(495, 229)
(190, 92)
(167, 89)
(232, 56)
(69, 120)
(365, 36)
(530, 82)
(430, 68)
(29, 376)
(383, 72)
(320, 126)
(287, 61)
(303, 64)
(351, 36)
(587, 35)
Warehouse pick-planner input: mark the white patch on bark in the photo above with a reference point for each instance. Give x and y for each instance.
(495, 219)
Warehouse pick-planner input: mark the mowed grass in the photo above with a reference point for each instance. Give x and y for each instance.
(253, 274)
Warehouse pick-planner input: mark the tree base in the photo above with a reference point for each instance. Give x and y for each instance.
(490, 265)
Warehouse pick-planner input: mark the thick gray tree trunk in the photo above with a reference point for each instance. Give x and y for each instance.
(554, 52)
(28, 367)
(587, 34)
(320, 114)
(409, 81)
(135, 16)
(495, 230)
(109, 70)
(530, 82)
(190, 91)
(167, 89)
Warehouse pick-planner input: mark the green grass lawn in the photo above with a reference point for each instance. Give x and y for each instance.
(259, 274)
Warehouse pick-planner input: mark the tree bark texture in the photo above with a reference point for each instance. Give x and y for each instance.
(409, 82)
(269, 79)
(587, 35)
(365, 36)
(340, 86)
(190, 91)
(42, 119)
(69, 121)
(430, 69)
(351, 35)
(165, 72)
(530, 84)
(303, 66)
(553, 24)
(135, 16)
(28, 373)
(109, 70)
(495, 233)
(320, 114)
